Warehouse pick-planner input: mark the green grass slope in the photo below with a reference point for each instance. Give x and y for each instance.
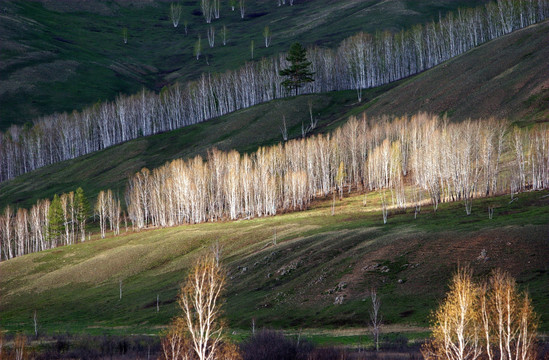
(317, 257)
(506, 78)
(244, 130)
(291, 284)
(62, 55)
(514, 85)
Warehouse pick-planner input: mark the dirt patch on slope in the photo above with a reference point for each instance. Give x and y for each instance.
(23, 79)
(421, 262)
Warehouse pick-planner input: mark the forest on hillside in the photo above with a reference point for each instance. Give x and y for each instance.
(361, 61)
(410, 161)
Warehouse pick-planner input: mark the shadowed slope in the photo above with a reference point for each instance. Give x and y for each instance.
(243, 130)
(505, 78)
(63, 55)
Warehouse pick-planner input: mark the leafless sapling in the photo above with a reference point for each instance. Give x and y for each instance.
(211, 36)
(224, 34)
(175, 14)
(383, 206)
(267, 36)
(375, 317)
(242, 7)
(35, 321)
(284, 129)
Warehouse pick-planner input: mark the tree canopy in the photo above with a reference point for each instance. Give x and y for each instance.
(55, 219)
(298, 73)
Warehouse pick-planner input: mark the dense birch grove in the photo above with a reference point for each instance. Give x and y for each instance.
(361, 61)
(435, 160)
(490, 320)
(108, 210)
(46, 225)
(410, 160)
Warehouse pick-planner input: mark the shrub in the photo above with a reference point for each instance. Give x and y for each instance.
(273, 345)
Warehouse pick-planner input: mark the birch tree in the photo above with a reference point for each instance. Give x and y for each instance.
(200, 302)
(490, 320)
(211, 36)
(175, 14)
(242, 8)
(7, 233)
(207, 10)
(456, 328)
(101, 210)
(198, 48)
(216, 8)
(375, 317)
(508, 318)
(224, 34)
(267, 36)
(361, 61)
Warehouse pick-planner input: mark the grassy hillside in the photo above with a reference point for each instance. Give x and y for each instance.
(244, 130)
(507, 78)
(63, 55)
(317, 258)
(514, 82)
(293, 283)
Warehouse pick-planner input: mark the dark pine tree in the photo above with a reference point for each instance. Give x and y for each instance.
(298, 73)
(55, 217)
(82, 210)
